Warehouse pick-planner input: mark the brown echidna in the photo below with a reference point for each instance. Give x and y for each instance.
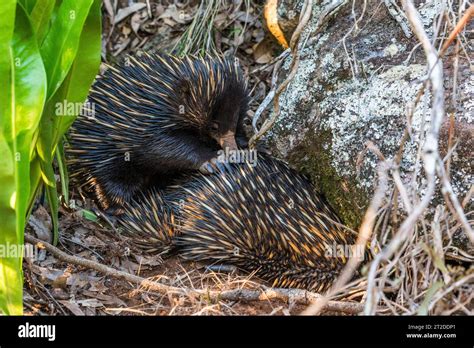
(266, 219)
(156, 117)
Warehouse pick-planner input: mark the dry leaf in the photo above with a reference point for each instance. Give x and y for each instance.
(271, 17)
(136, 21)
(155, 260)
(245, 17)
(110, 10)
(40, 229)
(90, 302)
(125, 12)
(72, 306)
(126, 31)
(262, 52)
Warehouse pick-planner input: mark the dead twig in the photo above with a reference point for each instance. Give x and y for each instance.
(264, 294)
(61, 255)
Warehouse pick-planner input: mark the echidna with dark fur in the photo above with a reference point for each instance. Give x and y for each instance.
(266, 219)
(154, 118)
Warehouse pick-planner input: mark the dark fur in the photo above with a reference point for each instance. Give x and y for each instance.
(153, 121)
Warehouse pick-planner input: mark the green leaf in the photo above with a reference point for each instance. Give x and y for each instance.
(35, 182)
(41, 16)
(85, 68)
(29, 129)
(74, 89)
(45, 150)
(52, 195)
(61, 159)
(24, 79)
(28, 5)
(89, 215)
(7, 24)
(60, 45)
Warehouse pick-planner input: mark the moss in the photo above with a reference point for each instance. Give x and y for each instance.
(314, 160)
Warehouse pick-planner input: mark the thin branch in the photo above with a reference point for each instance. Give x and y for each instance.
(264, 294)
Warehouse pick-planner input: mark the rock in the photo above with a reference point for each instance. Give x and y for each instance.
(357, 86)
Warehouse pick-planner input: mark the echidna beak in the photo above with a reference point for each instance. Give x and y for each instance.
(228, 141)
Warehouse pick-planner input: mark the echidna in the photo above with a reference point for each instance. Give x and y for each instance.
(149, 219)
(266, 219)
(154, 118)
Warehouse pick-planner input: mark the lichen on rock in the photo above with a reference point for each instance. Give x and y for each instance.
(350, 89)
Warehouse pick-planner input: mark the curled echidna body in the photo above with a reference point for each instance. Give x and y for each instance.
(150, 221)
(266, 219)
(154, 118)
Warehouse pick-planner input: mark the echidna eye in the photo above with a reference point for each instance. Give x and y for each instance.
(214, 126)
